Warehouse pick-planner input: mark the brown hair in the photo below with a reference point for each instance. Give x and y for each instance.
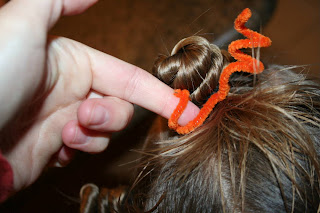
(195, 65)
(257, 152)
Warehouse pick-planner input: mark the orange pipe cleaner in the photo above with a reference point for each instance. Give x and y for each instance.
(244, 63)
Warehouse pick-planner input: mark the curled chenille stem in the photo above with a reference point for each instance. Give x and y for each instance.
(244, 63)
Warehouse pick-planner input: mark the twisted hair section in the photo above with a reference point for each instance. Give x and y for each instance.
(244, 63)
(194, 65)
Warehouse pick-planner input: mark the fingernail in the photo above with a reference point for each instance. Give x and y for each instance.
(99, 115)
(80, 137)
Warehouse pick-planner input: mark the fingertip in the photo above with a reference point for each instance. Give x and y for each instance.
(190, 112)
(108, 114)
(84, 112)
(69, 132)
(65, 155)
(93, 113)
(94, 143)
(77, 137)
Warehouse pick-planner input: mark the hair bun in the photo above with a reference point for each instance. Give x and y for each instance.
(194, 64)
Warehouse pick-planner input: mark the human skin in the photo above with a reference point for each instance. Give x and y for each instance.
(64, 95)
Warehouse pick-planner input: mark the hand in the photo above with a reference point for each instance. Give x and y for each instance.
(58, 94)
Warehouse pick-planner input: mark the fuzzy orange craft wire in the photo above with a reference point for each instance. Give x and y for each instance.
(244, 63)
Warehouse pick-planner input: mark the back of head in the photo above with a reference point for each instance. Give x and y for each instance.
(257, 152)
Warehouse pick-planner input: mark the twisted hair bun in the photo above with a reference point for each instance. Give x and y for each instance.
(195, 65)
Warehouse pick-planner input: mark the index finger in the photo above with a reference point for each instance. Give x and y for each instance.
(112, 76)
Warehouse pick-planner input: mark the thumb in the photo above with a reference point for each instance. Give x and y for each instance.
(43, 14)
(23, 40)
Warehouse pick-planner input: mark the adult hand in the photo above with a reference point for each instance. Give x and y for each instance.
(56, 91)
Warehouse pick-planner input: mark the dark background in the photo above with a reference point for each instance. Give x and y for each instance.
(137, 31)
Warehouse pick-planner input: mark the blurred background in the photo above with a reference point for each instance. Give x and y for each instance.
(136, 31)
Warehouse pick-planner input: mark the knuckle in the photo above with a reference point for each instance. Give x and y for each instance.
(132, 84)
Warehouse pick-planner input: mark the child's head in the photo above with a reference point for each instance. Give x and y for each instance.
(258, 151)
